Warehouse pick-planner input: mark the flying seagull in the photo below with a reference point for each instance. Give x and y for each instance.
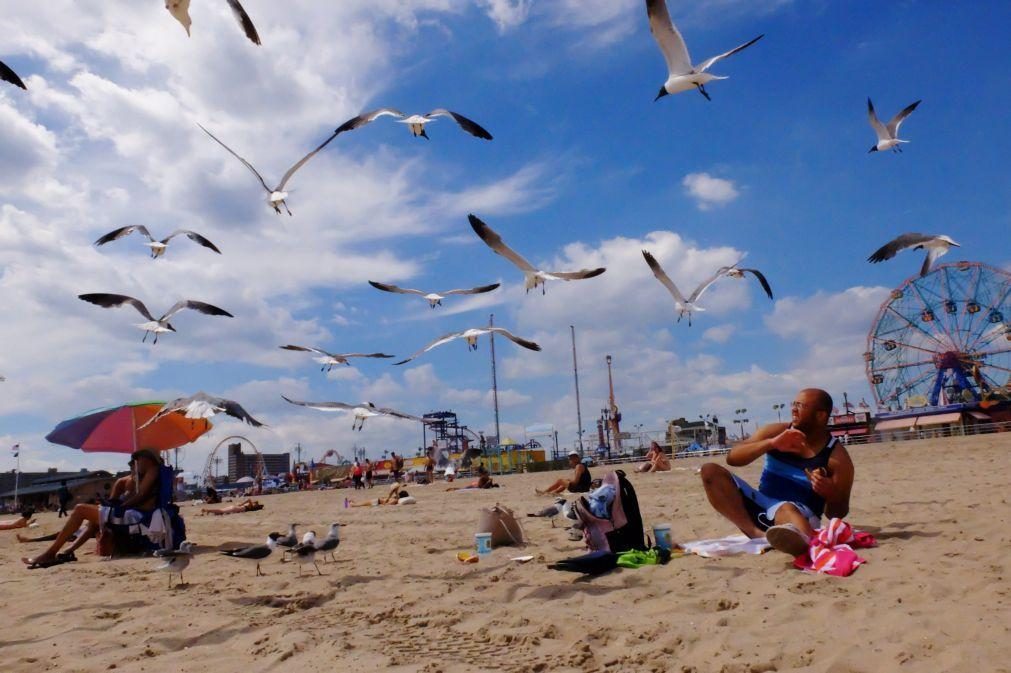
(687, 306)
(416, 123)
(934, 245)
(551, 511)
(888, 135)
(8, 75)
(276, 197)
(328, 360)
(532, 277)
(434, 298)
(360, 411)
(329, 544)
(180, 10)
(176, 560)
(738, 273)
(202, 405)
(255, 554)
(157, 247)
(155, 325)
(681, 74)
(471, 336)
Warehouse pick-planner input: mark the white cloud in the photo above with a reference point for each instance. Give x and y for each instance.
(709, 191)
(719, 334)
(507, 13)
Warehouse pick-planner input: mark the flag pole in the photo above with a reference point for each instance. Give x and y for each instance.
(17, 474)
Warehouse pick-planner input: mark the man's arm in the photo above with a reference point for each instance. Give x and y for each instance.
(835, 488)
(576, 476)
(146, 487)
(760, 443)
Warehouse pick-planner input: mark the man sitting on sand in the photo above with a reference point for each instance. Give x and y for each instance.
(656, 460)
(580, 482)
(248, 505)
(807, 473)
(22, 522)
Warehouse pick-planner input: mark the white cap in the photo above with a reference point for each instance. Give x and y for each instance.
(574, 453)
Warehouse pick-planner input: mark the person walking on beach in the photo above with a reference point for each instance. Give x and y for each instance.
(369, 470)
(580, 482)
(63, 495)
(356, 476)
(430, 465)
(807, 473)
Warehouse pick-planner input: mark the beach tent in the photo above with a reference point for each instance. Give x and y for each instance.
(244, 480)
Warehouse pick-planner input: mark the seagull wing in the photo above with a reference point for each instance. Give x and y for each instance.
(207, 309)
(193, 236)
(179, 404)
(494, 241)
(367, 117)
(115, 301)
(235, 410)
(894, 247)
(468, 125)
(669, 39)
(663, 277)
(244, 21)
(306, 349)
(519, 341)
(761, 279)
(124, 231)
(473, 290)
(444, 339)
(876, 124)
(706, 64)
(8, 75)
(244, 162)
(896, 122)
(704, 285)
(302, 161)
(393, 288)
(932, 254)
(366, 355)
(322, 406)
(577, 275)
(386, 411)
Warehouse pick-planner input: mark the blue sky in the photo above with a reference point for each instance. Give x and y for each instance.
(585, 170)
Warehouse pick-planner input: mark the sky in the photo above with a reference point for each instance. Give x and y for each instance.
(585, 170)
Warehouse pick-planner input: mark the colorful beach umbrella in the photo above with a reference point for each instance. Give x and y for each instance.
(115, 429)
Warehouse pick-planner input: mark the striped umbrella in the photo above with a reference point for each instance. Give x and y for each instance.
(115, 429)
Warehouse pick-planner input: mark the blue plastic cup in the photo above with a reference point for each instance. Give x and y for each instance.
(662, 536)
(483, 543)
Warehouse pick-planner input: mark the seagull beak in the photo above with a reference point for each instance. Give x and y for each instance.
(663, 92)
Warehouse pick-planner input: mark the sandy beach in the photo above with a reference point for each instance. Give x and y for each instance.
(932, 597)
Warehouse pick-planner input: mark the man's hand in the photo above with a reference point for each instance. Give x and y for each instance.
(821, 482)
(790, 440)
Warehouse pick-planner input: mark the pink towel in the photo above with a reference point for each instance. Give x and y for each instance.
(831, 550)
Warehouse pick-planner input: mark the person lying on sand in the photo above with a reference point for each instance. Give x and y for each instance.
(483, 481)
(248, 505)
(807, 473)
(52, 536)
(580, 482)
(143, 500)
(392, 498)
(656, 460)
(27, 517)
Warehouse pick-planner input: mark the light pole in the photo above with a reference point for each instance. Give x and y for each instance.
(778, 408)
(740, 420)
(638, 428)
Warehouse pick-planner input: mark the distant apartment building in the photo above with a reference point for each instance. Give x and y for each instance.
(244, 465)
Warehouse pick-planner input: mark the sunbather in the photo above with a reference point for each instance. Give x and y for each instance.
(248, 505)
(580, 482)
(21, 522)
(483, 480)
(392, 498)
(656, 460)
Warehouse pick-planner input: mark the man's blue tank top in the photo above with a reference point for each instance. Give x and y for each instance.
(783, 477)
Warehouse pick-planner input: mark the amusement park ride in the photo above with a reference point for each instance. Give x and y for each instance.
(944, 338)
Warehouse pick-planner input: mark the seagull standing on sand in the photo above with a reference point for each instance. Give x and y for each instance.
(176, 560)
(330, 543)
(888, 135)
(305, 553)
(434, 298)
(532, 277)
(471, 336)
(157, 247)
(416, 123)
(276, 197)
(255, 554)
(687, 306)
(360, 411)
(180, 10)
(934, 245)
(154, 325)
(551, 511)
(681, 74)
(202, 405)
(8, 75)
(329, 360)
(287, 541)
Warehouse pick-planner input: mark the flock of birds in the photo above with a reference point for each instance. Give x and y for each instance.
(682, 75)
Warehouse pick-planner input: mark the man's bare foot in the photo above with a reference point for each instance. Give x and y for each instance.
(21, 538)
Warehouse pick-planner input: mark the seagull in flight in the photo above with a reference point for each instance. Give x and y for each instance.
(176, 560)
(532, 277)
(329, 360)
(434, 298)
(180, 10)
(471, 336)
(157, 247)
(155, 325)
(681, 74)
(256, 553)
(8, 75)
(360, 411)
(416, 123)
(684, 306)
(934, 245)
(202, 405)
(888, 135)
(276, 197)
(738, 273)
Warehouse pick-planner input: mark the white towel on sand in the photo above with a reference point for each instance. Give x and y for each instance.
(727, 546)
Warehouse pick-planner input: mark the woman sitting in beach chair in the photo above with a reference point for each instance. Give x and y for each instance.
(248, 505)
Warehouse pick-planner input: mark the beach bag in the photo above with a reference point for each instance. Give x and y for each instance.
(501, 523)
(621, 529)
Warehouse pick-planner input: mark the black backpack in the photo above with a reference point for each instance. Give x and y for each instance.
(622, 529)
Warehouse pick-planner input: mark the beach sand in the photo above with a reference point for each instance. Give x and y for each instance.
(932, 597)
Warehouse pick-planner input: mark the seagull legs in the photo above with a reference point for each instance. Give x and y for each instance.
(317, 568)
(702, 90)
(259, 573)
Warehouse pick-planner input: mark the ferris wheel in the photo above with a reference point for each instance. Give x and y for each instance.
(943, 338)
